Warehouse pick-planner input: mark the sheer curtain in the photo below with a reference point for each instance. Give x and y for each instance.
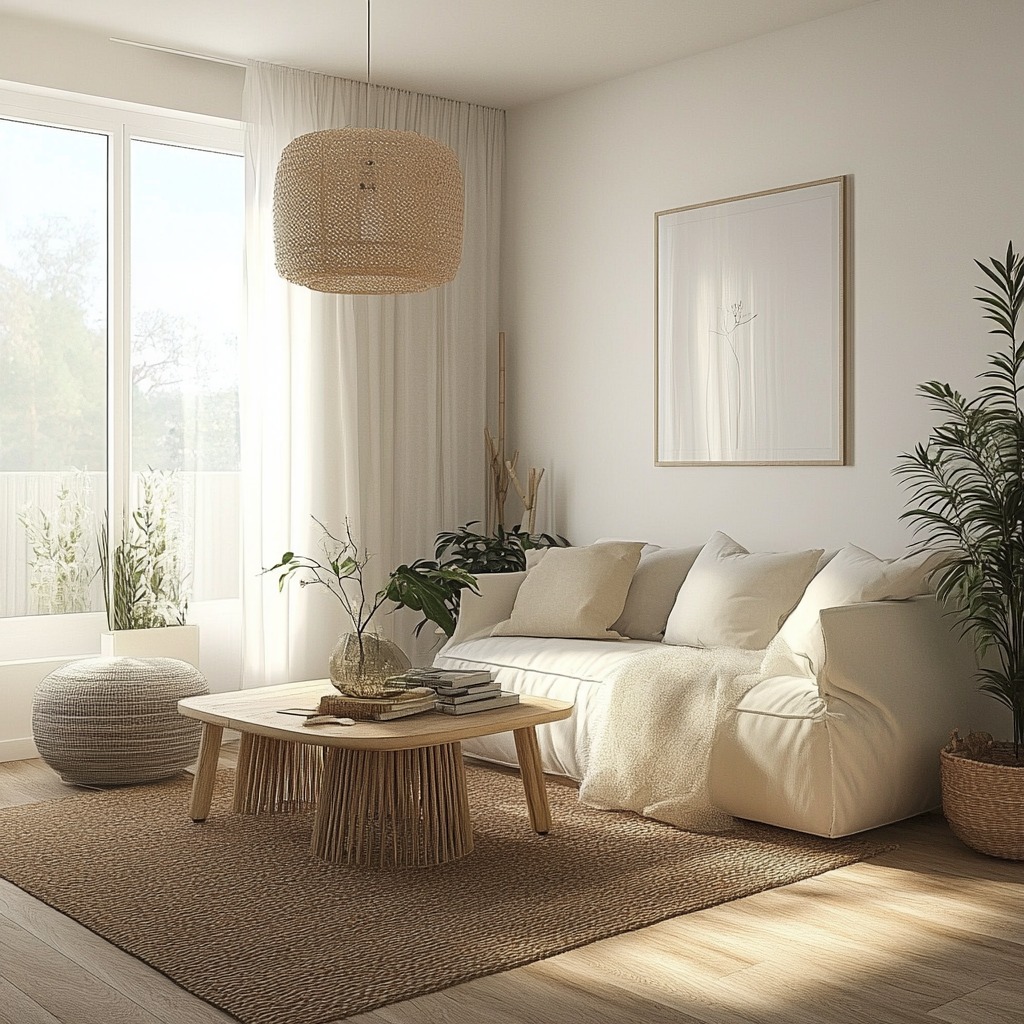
(366, 407)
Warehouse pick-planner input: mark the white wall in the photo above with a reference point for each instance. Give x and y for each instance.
(919, 101)
(56, 56)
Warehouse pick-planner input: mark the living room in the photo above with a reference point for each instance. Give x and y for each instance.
(911, 101)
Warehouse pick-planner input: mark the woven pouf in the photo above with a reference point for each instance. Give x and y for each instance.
(114, 721)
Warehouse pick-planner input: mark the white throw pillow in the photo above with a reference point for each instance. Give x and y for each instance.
(574, 592)
(852, 576)
(657, 580)
(734, 598)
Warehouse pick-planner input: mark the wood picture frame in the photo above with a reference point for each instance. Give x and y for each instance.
(751, 329)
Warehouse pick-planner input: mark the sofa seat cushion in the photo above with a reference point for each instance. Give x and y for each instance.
(579, 671)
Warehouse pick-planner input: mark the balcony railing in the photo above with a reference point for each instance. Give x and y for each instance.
(209, 505)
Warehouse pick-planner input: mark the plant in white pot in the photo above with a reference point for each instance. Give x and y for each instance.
(967, 495)
(145, 579)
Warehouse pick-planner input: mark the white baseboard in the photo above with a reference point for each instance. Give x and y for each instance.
(18, 749)
(18, 682)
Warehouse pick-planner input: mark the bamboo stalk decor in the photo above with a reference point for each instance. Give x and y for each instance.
(503, 470)
(499, 481)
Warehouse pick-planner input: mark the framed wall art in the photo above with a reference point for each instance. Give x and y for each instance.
(751, 322)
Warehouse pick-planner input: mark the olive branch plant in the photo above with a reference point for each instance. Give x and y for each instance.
(144, 574)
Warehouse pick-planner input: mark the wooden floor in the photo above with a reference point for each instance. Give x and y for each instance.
(930, 932)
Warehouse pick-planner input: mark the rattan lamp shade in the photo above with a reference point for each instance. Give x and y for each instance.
(367, 211)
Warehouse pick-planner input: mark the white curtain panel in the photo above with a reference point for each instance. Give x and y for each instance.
(366, 407)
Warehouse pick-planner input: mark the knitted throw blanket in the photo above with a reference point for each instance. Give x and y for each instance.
(652, 753)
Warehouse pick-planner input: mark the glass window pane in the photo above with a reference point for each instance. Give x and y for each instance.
(187, 224)
(53, 345)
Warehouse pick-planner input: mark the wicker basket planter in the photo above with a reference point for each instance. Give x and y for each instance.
(984, 803)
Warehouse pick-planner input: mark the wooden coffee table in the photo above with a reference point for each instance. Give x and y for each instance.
(390, 794)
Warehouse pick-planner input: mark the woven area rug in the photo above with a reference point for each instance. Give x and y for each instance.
(237, 912)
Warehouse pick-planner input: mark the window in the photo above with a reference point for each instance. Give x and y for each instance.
(121, 242)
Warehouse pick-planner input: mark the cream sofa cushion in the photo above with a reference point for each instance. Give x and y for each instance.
(574, 592)
(852, 576)
(734, 598)
(652, 592)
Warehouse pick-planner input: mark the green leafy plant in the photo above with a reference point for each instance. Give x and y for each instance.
(340, 573)
(144, 579)
(502, 551)
(62, 563)
(433, 589)
(967, 494)
(434, 586)
(422, 586)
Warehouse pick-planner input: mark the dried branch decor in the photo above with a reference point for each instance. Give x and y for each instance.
(503, 470)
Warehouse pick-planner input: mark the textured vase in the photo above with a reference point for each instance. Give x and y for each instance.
(362, 669)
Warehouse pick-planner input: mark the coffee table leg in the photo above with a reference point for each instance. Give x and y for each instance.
(276, 776)
(528, 753)
(206, 772)
(393, 808)
(243, 765)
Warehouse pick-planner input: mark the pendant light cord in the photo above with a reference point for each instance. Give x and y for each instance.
(366, 111)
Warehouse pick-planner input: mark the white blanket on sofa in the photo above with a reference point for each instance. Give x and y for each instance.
(652, 753)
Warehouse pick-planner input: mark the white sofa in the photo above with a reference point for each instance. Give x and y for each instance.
(848, 745)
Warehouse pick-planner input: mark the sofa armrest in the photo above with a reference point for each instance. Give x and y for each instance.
(857, 747)
(480, 613)
(902, 656)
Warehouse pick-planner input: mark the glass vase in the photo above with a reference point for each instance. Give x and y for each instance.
(360, 665)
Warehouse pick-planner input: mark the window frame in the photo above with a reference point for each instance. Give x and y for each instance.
(41, 636)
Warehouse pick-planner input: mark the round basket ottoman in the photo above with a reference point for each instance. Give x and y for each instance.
(115, 721)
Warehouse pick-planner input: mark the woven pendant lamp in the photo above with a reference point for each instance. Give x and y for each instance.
(367, 211)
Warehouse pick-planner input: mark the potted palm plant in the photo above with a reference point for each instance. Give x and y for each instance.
(967, 494)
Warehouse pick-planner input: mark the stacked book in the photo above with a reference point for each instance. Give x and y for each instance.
(397, 702)
(460, 691)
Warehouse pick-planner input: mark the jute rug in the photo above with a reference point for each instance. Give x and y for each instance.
(237, 912)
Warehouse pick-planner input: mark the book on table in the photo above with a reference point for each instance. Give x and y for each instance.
(396, 704)
(447, 676)
(404, 709)
(466, 695)
(502, 699)
(449, 682)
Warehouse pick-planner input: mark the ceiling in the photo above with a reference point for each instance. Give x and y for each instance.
(500, 53)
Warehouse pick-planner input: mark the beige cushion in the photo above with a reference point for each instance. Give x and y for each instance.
(733, 598)
(652, 592)
(574, 592)
(852, 576)
(534, 555)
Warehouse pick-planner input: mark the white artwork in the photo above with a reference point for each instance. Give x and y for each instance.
(751, 329)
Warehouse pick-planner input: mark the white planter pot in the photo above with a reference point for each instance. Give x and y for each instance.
(181, 642)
